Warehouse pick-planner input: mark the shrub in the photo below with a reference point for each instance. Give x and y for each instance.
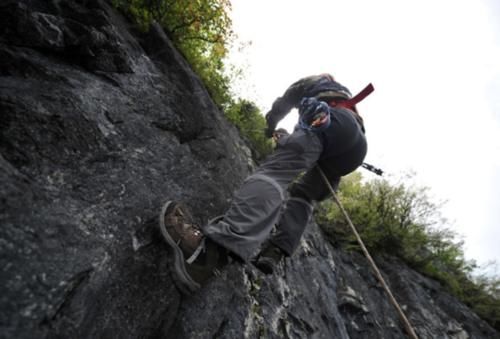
(400, 220)
(251, 123)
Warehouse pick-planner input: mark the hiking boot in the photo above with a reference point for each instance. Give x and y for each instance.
(196, 258)
(269, 258)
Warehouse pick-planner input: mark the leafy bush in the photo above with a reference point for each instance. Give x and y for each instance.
(251, 123)
(401, 220)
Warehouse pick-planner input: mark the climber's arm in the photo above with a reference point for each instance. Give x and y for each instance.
(290, 99)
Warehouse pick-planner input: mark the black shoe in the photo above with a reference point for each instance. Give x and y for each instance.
(269, 258)
(186, 240)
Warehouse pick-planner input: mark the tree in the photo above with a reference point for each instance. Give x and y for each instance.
(400, 220)
(200, 29)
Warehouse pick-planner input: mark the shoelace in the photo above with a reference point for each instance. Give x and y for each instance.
(201, 247)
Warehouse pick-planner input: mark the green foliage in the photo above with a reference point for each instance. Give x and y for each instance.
(251, 123)
(200, 29)
(399, 220)
(392, 218)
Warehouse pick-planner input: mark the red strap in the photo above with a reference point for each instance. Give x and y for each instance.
(349, 103)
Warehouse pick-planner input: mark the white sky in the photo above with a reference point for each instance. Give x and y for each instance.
(436, 71)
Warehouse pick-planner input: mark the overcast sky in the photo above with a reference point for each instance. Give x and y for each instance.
(436, 71)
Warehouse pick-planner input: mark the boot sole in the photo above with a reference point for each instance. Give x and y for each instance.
(181, 277)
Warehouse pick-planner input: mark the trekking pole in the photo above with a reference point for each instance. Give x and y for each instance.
(408, 327)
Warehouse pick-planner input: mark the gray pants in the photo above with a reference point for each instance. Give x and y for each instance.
(262, 200)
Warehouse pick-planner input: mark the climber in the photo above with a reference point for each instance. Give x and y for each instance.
(330, 134)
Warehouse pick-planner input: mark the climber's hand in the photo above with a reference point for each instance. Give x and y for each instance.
(279, 133)
(271, 125)
(269, 132)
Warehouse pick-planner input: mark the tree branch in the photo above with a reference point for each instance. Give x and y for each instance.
(202, 38)
(184, 24)
(192, 21)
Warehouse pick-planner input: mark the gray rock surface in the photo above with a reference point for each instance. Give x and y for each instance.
(99, 125)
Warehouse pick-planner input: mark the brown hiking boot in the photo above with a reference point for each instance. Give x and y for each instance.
(269, 258)
(196, 258)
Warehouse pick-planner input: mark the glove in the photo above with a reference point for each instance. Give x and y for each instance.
(279, 133)
(314, 114)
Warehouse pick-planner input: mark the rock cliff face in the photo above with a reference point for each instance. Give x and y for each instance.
(99, 126)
